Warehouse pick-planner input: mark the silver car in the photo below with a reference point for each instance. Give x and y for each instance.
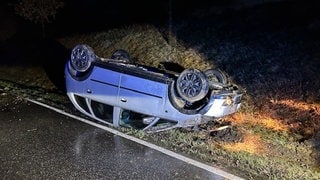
(118, 92)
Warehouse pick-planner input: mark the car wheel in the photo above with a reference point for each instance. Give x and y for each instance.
(192, 85)
(176, 100)
(216, 78)
(121, 55)
(81, 57)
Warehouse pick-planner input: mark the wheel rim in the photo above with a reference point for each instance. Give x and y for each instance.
(80, 58)
(192, 85)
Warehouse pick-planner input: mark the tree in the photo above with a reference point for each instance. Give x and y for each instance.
(38, 11)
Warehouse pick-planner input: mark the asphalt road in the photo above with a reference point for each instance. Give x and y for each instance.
(38, 143)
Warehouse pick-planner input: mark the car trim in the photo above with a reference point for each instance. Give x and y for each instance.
(130, 89)
(122, 87)
(98, 81)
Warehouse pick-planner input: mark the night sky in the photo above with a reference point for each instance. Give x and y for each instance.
(85, 16)
(23, 43)
(18, 36)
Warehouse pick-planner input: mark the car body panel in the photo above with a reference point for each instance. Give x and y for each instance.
(142, 90)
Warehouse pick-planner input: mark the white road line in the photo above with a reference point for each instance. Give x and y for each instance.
(145, 143)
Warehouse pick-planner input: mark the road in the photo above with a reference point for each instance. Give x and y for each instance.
(38, 143)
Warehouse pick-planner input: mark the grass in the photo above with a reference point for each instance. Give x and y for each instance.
(266, 139)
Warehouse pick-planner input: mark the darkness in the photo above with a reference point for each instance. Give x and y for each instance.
(87, 16)
(22, 42)
(84, 15)
(79, 16)
(284, 29)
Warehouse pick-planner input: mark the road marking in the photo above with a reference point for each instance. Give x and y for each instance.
(145, 143)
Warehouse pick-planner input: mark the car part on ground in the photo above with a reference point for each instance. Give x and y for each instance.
(118, 92)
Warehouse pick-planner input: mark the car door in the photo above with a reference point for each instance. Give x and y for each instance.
(141, 94)
(103, 86)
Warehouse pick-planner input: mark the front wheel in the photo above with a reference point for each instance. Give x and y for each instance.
(192, 85)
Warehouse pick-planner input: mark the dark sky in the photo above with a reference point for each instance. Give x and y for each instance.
(96, 15)
(20, 40)
(100, 14)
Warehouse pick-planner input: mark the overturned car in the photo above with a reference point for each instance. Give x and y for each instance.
(118, 92)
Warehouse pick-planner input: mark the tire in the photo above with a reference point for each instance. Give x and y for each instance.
(216, 78)
(81, 57)
(121, 55)
(175, 99)
(192, 85)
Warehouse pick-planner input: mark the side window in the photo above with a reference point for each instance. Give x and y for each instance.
(131, 119)
(102, 111)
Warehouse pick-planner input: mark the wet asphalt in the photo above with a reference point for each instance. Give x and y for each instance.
(38, 143)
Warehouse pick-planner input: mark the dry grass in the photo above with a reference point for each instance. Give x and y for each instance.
(145, 43)
(251, 143)
(32, 76)
(272, 135)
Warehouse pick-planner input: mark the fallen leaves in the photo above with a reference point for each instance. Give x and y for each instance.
(251, 143)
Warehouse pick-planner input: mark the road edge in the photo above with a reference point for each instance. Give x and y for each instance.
(142, 142)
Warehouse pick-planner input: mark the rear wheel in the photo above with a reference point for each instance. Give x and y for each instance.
(81, 57)
(192, 85)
